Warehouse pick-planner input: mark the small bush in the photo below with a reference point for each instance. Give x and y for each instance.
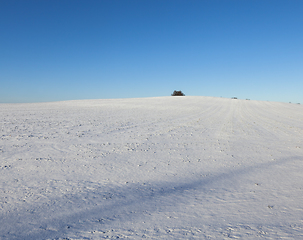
(178, 93)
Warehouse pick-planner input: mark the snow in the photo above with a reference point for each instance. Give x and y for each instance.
(155, 168)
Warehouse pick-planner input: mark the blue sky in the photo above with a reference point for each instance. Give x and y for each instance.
(69, 49)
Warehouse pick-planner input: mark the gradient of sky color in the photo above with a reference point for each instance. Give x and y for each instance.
(55, 50)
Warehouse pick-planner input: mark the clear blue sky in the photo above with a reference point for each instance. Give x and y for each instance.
(54, 50)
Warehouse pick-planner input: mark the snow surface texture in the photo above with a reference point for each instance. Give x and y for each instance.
(156, 168)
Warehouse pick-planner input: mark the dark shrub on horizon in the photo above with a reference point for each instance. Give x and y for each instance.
(178, 93)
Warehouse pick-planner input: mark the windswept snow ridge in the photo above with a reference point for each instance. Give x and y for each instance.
(156, 168)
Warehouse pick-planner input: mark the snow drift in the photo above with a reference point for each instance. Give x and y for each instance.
(157, 168)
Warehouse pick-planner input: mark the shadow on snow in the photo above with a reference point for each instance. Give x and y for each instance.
(122, 204)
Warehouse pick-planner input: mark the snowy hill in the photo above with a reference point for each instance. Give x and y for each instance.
(156, 168)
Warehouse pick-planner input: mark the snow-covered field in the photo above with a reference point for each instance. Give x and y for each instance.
(155, 168)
